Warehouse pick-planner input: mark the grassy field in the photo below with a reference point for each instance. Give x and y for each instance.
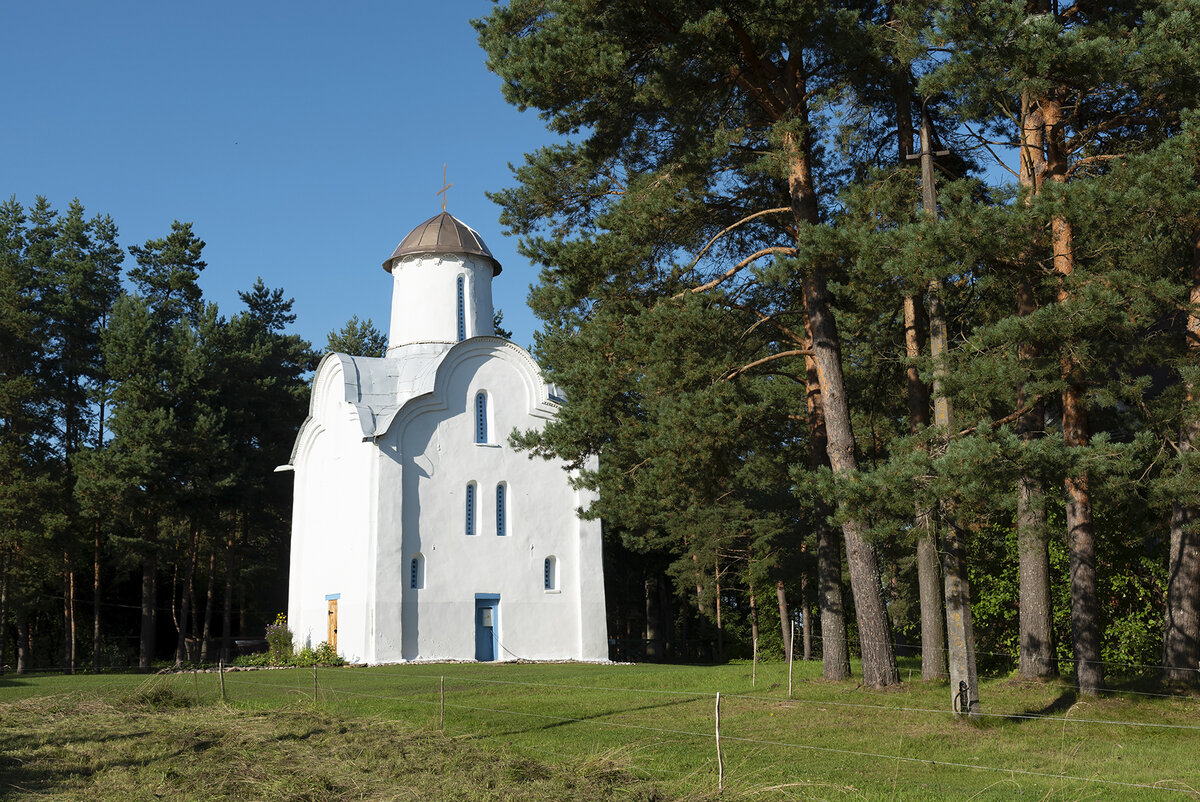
(564, 731)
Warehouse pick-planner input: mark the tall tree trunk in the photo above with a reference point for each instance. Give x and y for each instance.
(185, 600)
(68, 614)
(960, 631)
(784, 618)
(1081, 539)
(929, 580)
(753, 624)
(874, 631)
(1036, 659)
(96, 600)
(149, 612)
(24, 658)
(206, 632)
(805, 619)
(835, 657)
(74, 637)
(227, 607)
(1181, 629)
(3, 607)
(717, 604)
(652, 634)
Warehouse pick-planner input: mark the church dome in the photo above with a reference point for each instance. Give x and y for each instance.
(442, 233)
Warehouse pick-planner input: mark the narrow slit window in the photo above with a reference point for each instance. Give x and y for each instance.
(481, 422)
(416, 572)
(501, 512)
(470, 511)
(550, 573)
(462, 311)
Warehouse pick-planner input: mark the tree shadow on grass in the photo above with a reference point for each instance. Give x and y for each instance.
(1057, 706)
(562, 720)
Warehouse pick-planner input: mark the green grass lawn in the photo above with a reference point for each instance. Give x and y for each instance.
(566, 731)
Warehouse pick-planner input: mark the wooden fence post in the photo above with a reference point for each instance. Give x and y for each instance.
(791, 653)
(720, 764)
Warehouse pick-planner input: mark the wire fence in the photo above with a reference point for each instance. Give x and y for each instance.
(673, 733)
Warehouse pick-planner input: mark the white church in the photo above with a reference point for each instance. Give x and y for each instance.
(418, 533)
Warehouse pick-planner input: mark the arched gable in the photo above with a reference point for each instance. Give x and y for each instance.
(328, 389)
(541, 403)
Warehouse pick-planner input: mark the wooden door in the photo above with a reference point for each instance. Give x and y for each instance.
(332, 624)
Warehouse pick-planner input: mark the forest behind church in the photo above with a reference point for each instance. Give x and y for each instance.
(885, 312)
(141, 515)
(869, 310)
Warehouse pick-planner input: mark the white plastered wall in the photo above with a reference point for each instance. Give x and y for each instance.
(331, 521)
(433, 444)
(425, 299)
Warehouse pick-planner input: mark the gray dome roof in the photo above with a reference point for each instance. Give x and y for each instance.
(442, 233)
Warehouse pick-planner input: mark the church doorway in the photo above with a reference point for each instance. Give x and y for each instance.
(487, 606)
(332, 637)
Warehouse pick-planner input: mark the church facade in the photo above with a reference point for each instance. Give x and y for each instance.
(418, 533)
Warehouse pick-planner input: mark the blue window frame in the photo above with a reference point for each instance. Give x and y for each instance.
(481, 421)
(470, 511)
(462, 311)
(501, 517)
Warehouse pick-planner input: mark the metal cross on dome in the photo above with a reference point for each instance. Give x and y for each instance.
(445, 187)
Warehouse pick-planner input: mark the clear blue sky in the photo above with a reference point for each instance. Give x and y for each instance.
(303, 140)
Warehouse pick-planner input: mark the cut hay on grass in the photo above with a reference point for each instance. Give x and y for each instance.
(160, 745)
(564, 731)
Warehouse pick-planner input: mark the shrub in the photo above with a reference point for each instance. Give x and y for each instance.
(326, 655)
(279, 641)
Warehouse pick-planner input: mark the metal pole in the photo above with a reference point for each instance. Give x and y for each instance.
(221, 672)
(720, 764)
(314, 682)
(442, 691)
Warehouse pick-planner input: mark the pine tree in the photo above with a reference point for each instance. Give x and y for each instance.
(1076, 90)
(702, 163)
(357, 338)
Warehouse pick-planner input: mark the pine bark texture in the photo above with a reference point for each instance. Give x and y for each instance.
(784, 618)
(1081, 539)
(874, 632)
(805, 621)
(960, 633)
(929, 579)
(1036, 659)
(1035, 633)
(835, 658)
(1181, 630)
